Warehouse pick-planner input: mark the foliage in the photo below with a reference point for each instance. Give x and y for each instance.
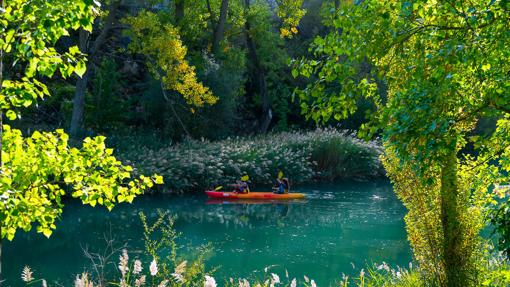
(160, 237)
(500, 219)
(291, 13)
(122, 95)
(106, 104)
(444, 69)
(28, 33)
(39, 170)
(302, 156)
(375, 276)
(160, 43)
(497, 272)
(273, 58)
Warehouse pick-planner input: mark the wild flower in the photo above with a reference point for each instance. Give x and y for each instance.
(181, 268)
(44, 284)
(178, 277)
(209, 281)
(153, 268)
(275, 279)
(83, 281)
(123, 262)
(293, 283)
(244, 283)
(306, 279)
(312, 283)
(137, 267)
(26, 274)
(140, 281)
(383, 266)
(163, 283)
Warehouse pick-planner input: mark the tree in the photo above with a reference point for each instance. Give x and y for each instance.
(165, 54)
(219, 26)
(38, 171)
(91, 48)
(444, 66)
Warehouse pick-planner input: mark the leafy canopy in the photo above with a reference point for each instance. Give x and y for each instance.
(160, 43)
(432, 70)
(29, 32)
(38, 171)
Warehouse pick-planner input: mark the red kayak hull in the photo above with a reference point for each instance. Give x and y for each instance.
(254, 195)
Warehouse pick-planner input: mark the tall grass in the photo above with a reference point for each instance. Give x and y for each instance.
(322, 154)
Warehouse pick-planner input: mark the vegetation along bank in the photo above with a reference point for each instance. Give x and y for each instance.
(319, 155)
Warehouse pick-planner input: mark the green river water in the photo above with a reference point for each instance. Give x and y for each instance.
(338, 229)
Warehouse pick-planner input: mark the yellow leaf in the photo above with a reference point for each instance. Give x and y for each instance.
(47, 232)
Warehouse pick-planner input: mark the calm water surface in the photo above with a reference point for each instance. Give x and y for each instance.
(338, 227)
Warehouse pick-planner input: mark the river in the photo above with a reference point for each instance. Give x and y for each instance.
(338, 229)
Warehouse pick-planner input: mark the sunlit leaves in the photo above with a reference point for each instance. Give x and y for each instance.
(290, 12)
(433, 69)
(160, 43)
(40, 170)
(28, 32)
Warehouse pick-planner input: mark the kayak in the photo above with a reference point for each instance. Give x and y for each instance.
(253, 195)
(226, 200)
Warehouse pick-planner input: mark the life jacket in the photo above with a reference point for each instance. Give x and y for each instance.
(286, 185)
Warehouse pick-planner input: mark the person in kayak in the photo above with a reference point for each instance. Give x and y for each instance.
(282, 184)
(286, 185)
(242, 186)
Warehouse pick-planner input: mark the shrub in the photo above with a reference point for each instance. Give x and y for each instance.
(323, 154)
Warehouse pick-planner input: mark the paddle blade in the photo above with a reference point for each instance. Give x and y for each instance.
(245, 178)
(280, 174)
(218, 188)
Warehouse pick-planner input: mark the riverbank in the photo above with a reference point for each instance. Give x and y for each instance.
(304, 157)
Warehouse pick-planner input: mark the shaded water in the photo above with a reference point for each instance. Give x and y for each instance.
(338, 227)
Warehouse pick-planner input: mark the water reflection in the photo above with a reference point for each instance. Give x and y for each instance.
(322, 236)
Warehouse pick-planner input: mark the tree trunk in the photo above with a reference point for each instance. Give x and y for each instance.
(453, 260)
(179, 11)
(81, 84)
(337, 4)
(80, 90)
(79, 104)
(258, 76)
(219, 28)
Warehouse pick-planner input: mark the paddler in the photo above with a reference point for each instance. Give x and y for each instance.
(282, 184)
(242, 185)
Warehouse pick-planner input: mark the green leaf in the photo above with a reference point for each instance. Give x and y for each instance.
(80, 68)
(11, 115)
(295, 73)
(74, 50)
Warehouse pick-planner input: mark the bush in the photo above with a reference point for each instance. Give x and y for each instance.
(323, 154)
